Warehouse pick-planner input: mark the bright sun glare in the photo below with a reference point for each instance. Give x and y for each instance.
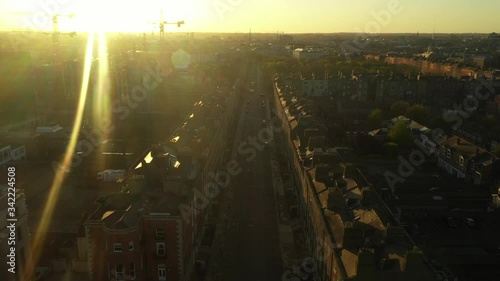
(128, 16)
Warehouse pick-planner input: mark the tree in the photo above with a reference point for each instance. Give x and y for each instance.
(419, 113)
(496, 151)
(375, 118)
(490, 121)
(390, 149)
(400, 133)
(399, 108)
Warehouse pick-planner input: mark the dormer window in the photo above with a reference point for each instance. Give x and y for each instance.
(461, 160)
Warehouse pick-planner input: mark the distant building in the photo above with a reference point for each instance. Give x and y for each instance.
(399, 88)
(308, 53)
(463, 159)
(418, 131)
(315, 88)
(16, 82)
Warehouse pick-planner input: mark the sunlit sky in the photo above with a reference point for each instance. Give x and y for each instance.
(289, 16)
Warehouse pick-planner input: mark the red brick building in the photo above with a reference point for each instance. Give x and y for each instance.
(139, 236)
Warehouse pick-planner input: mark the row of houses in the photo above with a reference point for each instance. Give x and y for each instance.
(382, 88)
(347, 226)
(430, 62)
(154, 228)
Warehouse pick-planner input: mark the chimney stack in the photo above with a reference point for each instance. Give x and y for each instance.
(458, 140)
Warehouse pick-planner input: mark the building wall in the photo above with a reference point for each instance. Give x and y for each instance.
(315, 88)
(101, 256)
(23, 237)
(317, 235)
(171, 239)
(435, 68)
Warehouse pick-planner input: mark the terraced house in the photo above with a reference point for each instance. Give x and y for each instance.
(463, 159)
(349, 230)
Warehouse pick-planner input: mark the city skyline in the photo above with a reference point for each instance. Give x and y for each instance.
(374, 16)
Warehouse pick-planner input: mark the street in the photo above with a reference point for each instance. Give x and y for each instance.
(251, 246)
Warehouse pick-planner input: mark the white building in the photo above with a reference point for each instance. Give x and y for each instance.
(308, 53)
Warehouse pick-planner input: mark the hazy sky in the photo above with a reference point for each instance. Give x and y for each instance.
(289, 16)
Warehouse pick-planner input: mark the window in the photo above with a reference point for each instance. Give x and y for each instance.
(132, 270)
(472, 165)
(461, 160)
(120, 274)
(160, 249)
(131, 245)
(162, 272)
(117, 247)
(448, 153)
(160, 233)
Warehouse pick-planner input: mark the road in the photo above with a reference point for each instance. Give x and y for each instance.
(251, 240)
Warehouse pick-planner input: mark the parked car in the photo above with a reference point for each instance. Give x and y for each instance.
(470, 222)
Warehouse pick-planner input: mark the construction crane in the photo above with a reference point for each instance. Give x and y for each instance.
(55, 23)
(161, 24)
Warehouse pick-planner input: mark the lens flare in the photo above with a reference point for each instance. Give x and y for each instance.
(48, 210)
